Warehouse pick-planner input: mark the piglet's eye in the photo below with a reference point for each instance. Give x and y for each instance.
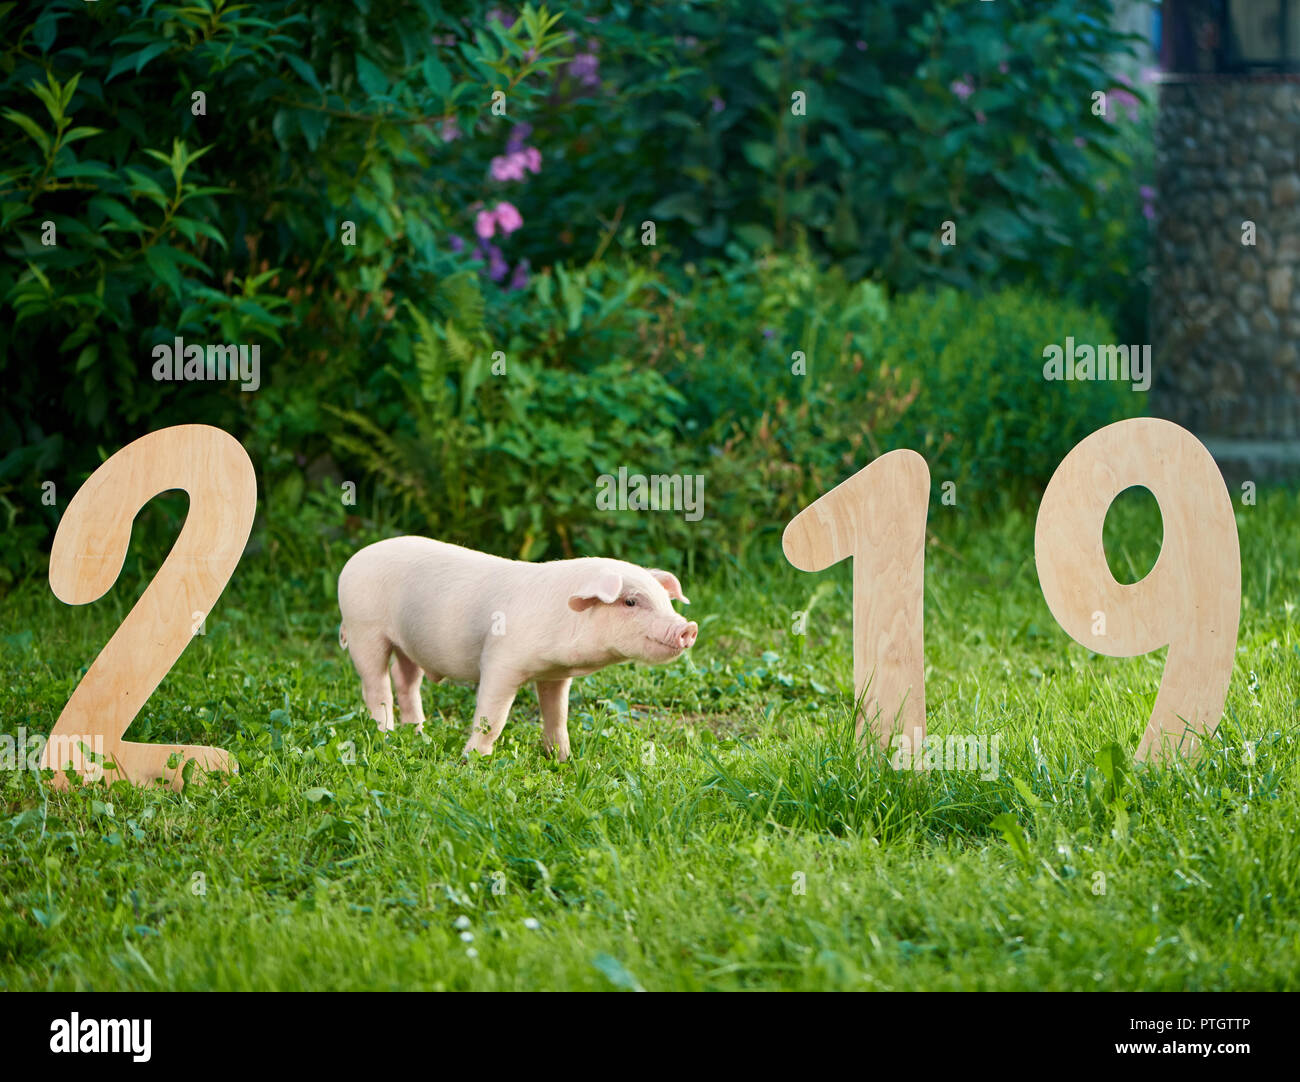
(630, 602)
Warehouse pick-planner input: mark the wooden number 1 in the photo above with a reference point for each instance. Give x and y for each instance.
(1190, 601)
(89, 549)
(877, 517)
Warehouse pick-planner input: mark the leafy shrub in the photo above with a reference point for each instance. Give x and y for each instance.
(1107, 266)
(191, 171)
(866, 125)
(984, 415)
(195, 168)
(622, 366)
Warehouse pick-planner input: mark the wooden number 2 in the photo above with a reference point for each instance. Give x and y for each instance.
(89, 549)
(877, 517)
(1190, 601)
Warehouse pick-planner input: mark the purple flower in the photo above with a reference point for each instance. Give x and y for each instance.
(980, 118)
(860, 45)
(717, 103)
(1126, 100)
(1079, 141)
(1148, 212)
(768, 332)
(1147, 192)
(1003, 67)
(519, 278)
(509, 167)
(506, 21)
(508, 218)
(583, 67)
(504, 215)
(450, 130)
(518, 134)
(456, 243)
(497, 267)
(962, 89)
(504, 169)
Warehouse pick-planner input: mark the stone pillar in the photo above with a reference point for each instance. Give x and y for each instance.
(1225, 315)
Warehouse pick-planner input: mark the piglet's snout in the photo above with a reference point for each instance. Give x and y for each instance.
(686, 636)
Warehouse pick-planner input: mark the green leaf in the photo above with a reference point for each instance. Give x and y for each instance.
(88, 356)
(616, 972)
(280, 127)
(459, 297)
(1009, 827)
(31, 128)
(304, 71)
(1028, 794)
(47, 25)
(118, 214)
(149, 52)
(757, 237)
(1112, 761)
(371, 77)
(80, 133)
(685, 205)
(313, 126)
(436, 76)
(760, 155)
(162, 261)
(571, 295)
(46, 920)
(207, 229)
(51, 98)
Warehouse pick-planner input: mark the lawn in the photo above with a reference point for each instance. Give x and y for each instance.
(716, 827)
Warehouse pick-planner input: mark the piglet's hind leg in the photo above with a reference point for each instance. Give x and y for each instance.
(553, 698)
(370, 656)
(407, 676)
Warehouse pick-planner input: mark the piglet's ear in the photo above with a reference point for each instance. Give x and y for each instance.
(669, 582)
(604, 586)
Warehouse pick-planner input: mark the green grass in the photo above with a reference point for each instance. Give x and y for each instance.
(667, 854)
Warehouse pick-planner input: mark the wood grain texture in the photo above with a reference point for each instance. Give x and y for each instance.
(877, 517)
(86, 559)
(1191, 599)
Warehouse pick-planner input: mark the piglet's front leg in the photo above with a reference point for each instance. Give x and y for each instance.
(553, 698)
(496, 694)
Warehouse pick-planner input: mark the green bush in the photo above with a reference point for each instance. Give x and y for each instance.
(1108, 265)
(984, 415)
(773, 382)
(191, 171)
(188, 171)
(865, 125)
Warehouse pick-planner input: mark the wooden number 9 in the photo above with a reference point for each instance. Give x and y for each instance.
(89, 549)
(1191, 599)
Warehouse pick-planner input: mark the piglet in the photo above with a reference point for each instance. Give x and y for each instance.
(457, 614)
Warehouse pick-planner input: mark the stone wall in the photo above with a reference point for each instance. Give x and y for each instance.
(1225, 316)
